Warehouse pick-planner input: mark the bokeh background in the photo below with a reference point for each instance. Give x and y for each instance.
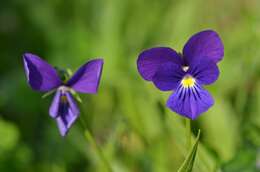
(128, 117)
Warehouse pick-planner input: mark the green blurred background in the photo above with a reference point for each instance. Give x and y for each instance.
(128, 117)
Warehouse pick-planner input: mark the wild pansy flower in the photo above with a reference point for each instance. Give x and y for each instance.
(185, 73)
(43, 77)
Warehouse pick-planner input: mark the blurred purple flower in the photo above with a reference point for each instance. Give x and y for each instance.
(185, 73)
(43, 77)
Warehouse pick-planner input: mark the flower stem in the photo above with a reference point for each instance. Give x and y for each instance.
(188, 132)
(90, 138)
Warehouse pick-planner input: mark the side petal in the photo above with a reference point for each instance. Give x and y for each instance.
(151, 59)
(87, 77)
(205, 71)
(168, 77)
(40, 75)
(54, 108)
(205, 44)
(190, 102)
(72, 104)
(69, 112)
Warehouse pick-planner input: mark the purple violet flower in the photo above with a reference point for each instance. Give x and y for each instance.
(185, 73)
(43, 77)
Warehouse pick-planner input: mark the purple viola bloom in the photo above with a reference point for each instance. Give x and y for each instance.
(185, 73)
(43, 77)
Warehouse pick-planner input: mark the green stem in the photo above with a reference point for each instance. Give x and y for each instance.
(89, 138)
(188, 132)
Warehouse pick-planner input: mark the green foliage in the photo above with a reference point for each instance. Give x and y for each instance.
(189, 160)
(243, 162)
(128, 116)
(9, 136)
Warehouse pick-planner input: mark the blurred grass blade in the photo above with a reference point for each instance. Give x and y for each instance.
(189, 161)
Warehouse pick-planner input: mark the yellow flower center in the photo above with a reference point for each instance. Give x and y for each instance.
(188, 81)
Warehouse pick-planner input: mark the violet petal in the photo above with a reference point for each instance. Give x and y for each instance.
(151, 59)
(68, 113)
(54, 108)
(72, 104)
(40, 75)
(206, 44)
(168, 76)
(204, 70)
(190, 102)
(87, 77)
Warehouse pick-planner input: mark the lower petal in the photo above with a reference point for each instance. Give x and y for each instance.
(190, 102)
(67, 114)
(65, 121)
(62, 126)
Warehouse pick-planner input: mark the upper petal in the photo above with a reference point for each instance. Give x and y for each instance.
(168, 76)
(205, 71)
(206, 44)
(87, 77)
(40, 75)
(190, 102)
(151, 59)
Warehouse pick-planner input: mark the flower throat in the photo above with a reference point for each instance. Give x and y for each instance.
(188, 81)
